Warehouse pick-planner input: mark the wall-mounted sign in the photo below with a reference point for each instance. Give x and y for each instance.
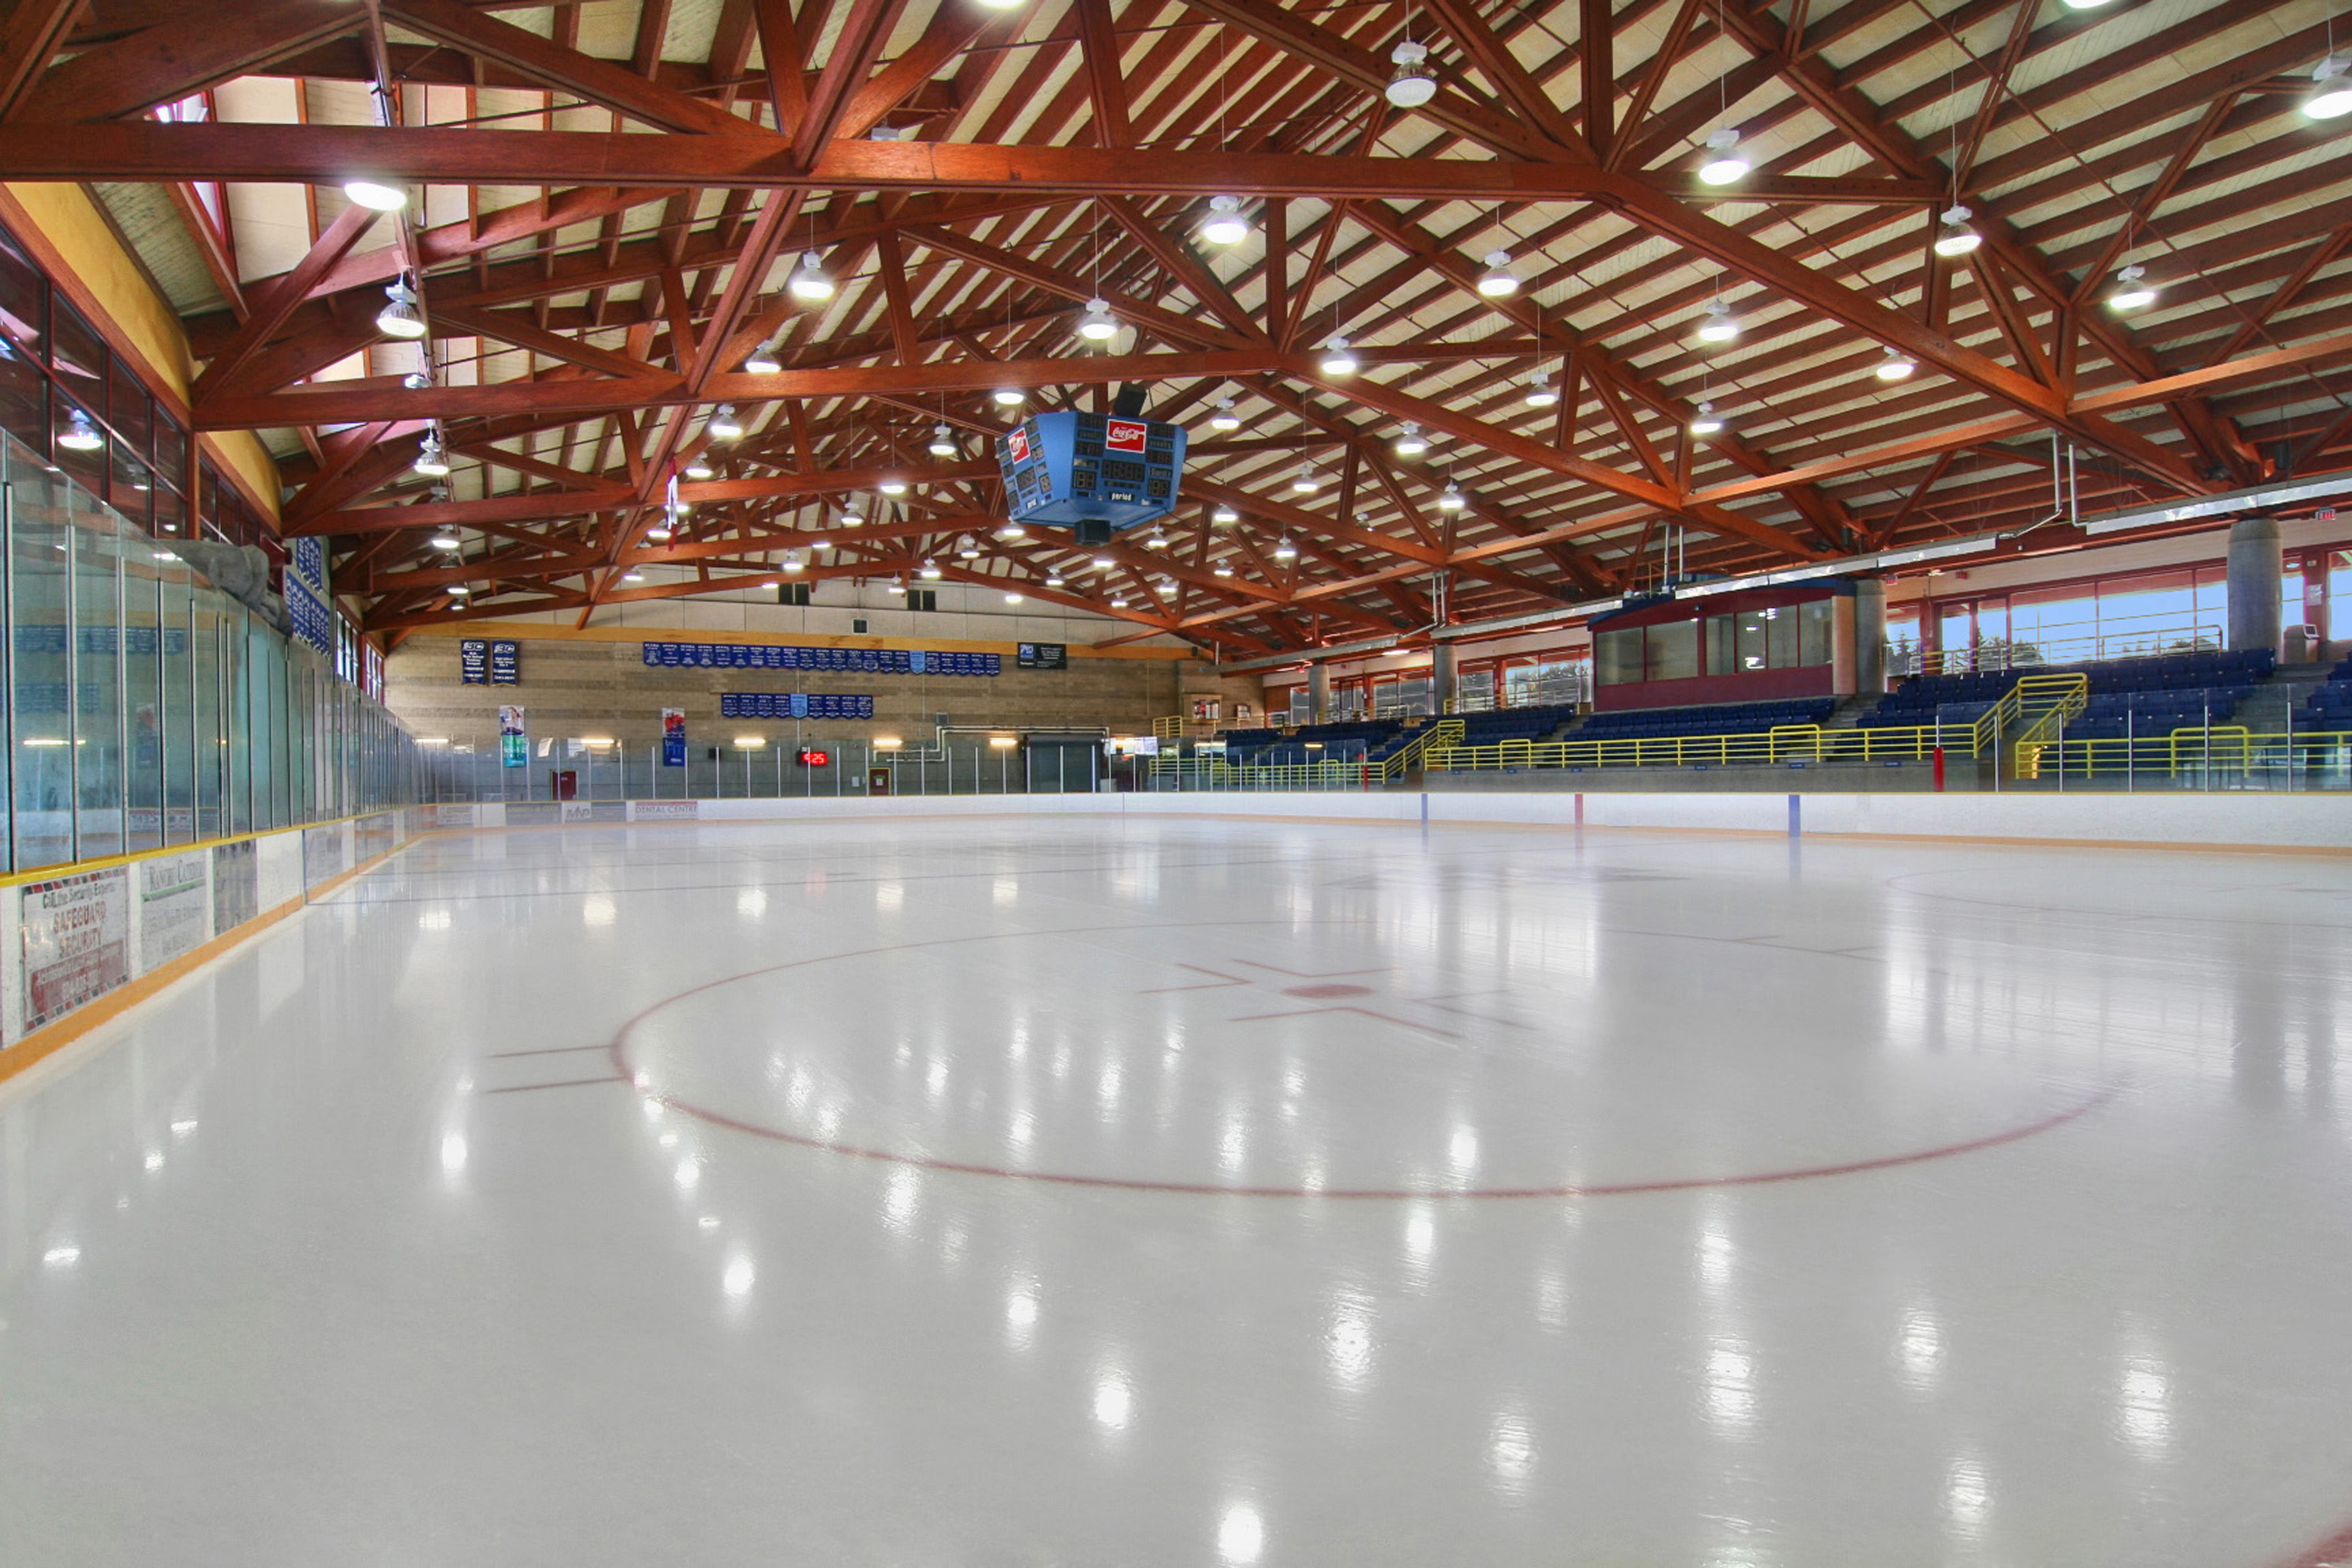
(473, 661)
(505, 663)
(308, 603)
(514, 743)
(847, 660)
(672, 737)
(77, 935)
(794, 705)
(1043, 656)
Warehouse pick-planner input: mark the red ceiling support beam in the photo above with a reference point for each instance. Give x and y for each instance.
(30, 35)
(186, 54)
(270, 310)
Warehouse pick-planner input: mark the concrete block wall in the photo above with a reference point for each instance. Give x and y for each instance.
(598, 684)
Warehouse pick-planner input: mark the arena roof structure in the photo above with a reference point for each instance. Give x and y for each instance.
(1613, 284)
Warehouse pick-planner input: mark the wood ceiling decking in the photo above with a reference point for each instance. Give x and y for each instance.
(608, 196)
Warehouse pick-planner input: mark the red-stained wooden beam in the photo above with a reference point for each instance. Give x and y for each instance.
(271, 309)
(31, 32)
(186, 54)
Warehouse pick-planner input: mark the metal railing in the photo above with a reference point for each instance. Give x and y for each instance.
(1999, 654)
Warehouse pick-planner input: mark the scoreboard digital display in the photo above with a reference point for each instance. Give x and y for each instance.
(1093, 473)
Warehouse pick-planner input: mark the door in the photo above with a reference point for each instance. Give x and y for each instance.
(877, 781)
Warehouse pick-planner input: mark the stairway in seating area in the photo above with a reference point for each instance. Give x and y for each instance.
(2265, 710)
(1849, 709)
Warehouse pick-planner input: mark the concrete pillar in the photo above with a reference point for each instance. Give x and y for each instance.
(1869, 635)
(1318, 693)
(1442, 684)
(2254, 572)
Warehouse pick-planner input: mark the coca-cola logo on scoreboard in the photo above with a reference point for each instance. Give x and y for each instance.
(1018, 443)
(1124, 436)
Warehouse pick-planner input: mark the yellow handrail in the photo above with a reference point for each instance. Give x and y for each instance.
(1445, 733)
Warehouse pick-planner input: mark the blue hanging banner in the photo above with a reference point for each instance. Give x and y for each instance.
(473, 662)
(672, 737)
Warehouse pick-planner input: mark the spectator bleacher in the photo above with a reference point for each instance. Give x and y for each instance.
(1346, 739)
(1514, 723)
(2134, 696)
(1721, 718)
(2329, 706)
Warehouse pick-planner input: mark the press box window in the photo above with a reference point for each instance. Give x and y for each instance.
(1674, 651)
(1617, 656)
(793, 593)
(922, 598)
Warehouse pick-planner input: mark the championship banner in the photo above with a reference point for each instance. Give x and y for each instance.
(672, 737)
(514, 746)
(473, 661)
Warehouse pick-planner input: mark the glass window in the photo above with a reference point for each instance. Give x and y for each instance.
(127, 410)
(134, 490)
(1814, 622)
(96, 559)
(170, 452)
(24, 302)
(79, 448)
(79, 355)
(1674, 651)
(1475, 690)
(1617, 656)
(142, 683)
(1780, 635)
(1720, 655)
(177, 681)
(2339, 595)
(1903, 641)
(1750, 642)
(42, 671)
(23, 397)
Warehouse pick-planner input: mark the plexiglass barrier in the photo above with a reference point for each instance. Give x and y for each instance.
(146, 708)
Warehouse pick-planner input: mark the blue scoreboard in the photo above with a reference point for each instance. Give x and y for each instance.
(1093, 473)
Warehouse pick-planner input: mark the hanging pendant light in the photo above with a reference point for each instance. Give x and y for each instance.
(1413, 83)
(893, 485)
(459, 591)
(763, 361)
(1225, 224)
(969, 550)
(1165, 588)
(1010, 598)
(1724, 165)
(794, 561)
(1720, 326)
(1896, 365)
(1009, 396)
(375, 195)
(1222, 570)
(432, 460)
(1225, 516)
(80, 436)
(1103, 563)
(1409, 441)
(1157, 538)
(1498, 280)
(1339, 359)
(1097, 324)
(852, 513)
(931, 571)
(445, 541)
(1308, 480)
(659, 533)
(1540, 392)
(1013, 534)
(2331, 90)
(809, 280)
(1053, 579)
(1706, 422)
(399, 317)
(723, 424)
(942, 441)
(1283, 549)
(1957, 238)
(895, 585)
(1225, 418)
(698, 468)
(2132, 290)
(1450, 499)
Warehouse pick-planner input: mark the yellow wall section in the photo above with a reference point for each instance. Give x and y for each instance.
(60, 222)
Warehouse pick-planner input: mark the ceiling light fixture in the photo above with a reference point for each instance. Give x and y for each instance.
(1103, 563)
(942, 441)
(763, 361)
(1157, 538)
(895, 585)
(1451, 499)
(723, 424)
(1498, 280)
(1306, 482)
(1339, 359)
(1223, 570)
(1225, 516)
(1013, 598)
(1225, 224)
(794, 561)
(2132, 290)
(809, 280)
(399, 319)
(375, 195)
(1013, 534)
(1706, 422)
(1118, 600)
(1225, 418)
(1009, 396)
(1283, 549)
(1957, 238)
(1409, 441)
(969, 550)
(1413, 83)
(893, 485)
(2331, 90)
(1724, 165)
(1053, 579)
(931, 571)
(1165, 588)
(1541, 394)
(853, 514)
(459, 590)
(633, 576)
(1896, 365)
(80, 436)
(444, 542)
(1720, 326)
(698, 468)
(1097, 324)
(432, 459)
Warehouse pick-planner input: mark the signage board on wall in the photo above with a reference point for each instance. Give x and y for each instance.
(846, 660)
(77, 935)
(506, 662)
(794, 705)
(514, 743)
(1043, 656)
(322, 853)
(672, 737)
(236, 884)
(309, 604)
(473, 661)
(174, 895)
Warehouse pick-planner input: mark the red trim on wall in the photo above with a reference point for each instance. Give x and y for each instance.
(1747, 686)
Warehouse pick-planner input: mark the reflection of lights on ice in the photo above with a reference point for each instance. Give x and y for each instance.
(689, 1174)
(453, 1154)
(597, 912)
(2144, 1407)
(1511, 1450)
(899, 1196)
(1020, 1310)
(1348, 1345)
(1241, 1534)
(60, 1256)
(1968, 1495)
(1730, 1383)
(1919, 1351)
(1114, 1402)
(154, 1159)
(739, 1276)
(1420, 1233)
(751, 902)
(1464, 1151)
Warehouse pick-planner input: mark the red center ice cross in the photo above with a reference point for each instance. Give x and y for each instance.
(1330, 987)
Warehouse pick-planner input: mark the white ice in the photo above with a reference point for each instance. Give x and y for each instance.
(1055, 1191)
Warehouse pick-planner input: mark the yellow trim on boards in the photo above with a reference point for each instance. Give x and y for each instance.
(51, 1038)
(76, 868)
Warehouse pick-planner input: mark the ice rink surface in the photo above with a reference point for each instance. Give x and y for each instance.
(999, 1192)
